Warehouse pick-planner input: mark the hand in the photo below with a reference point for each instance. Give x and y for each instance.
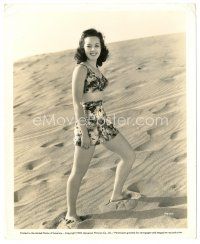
(85, 141)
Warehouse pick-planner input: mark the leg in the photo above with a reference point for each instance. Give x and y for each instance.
(122, 147)
(82, 158)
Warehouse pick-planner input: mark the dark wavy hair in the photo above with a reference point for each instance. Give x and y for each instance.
(80, 55)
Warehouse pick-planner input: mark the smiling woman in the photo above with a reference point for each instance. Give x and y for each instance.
(92, 46)
(92, 126)
(92, 49)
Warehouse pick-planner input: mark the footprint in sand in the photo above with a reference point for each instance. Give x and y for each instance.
(67, 172)
(31, 165)
(140, 67)
(180, 157)
(157, 108)
(26, 193)
(163, 109)
(174, 135)
(59, 144)
(121, 205)
(53, 224)
(51, 143)
(85, 224)
(30, 114)
(178, 135)
(60, 223)
(47, 144)
(66, 128)
(126, 204)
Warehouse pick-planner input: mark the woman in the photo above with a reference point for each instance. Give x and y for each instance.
(92, 126)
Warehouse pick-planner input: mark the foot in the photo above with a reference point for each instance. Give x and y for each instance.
(75, 219)
(125, 203)
(123, 196)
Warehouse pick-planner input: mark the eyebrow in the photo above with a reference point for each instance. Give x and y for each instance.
(91, 44)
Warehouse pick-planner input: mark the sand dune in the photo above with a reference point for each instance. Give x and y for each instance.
(147, 80)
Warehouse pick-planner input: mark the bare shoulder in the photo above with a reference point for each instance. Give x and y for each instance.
(80, 69)
(79, 74)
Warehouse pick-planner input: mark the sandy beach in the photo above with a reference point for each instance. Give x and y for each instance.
(147, 81)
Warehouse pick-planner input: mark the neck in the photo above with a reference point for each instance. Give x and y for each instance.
(92, 63)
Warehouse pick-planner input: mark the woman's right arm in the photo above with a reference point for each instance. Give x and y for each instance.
(78, 78)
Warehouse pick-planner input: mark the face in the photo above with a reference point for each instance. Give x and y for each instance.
(92, 47)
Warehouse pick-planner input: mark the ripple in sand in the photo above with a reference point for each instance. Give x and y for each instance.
(34, 62)
(153, 145)
(17, 105)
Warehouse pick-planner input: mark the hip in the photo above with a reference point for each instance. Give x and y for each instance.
(94, 114)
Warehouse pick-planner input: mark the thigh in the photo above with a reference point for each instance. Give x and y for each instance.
(82, 158)
(119, 145)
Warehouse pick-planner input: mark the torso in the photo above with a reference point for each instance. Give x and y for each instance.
(94, 86)
(93, 96)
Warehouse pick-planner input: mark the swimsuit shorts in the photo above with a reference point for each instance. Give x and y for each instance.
(100, 127)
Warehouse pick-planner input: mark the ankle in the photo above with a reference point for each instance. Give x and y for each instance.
(119, 196)
(68, 214)
(115, 197)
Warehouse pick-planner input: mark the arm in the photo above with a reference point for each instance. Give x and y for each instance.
(78, 79)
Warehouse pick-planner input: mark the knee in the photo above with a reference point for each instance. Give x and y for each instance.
(78, 173)
(130, 156)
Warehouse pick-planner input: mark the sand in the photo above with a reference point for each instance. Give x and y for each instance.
(147, 79)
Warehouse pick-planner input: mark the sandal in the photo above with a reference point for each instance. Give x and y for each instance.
(70, 220)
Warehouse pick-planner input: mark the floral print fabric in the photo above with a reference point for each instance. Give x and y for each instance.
(93, 83)
(100, 127)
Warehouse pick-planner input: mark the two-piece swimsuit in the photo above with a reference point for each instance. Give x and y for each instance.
(100, 128)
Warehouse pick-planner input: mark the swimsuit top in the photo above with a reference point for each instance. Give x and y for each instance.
(93, 82)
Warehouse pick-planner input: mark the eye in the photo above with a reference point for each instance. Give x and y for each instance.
(95, 46)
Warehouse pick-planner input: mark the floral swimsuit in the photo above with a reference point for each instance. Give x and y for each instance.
(100, 127)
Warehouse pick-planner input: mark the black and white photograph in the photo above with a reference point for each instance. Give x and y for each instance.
(100, 133)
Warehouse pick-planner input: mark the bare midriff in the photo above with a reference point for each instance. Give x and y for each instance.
(92, 96)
